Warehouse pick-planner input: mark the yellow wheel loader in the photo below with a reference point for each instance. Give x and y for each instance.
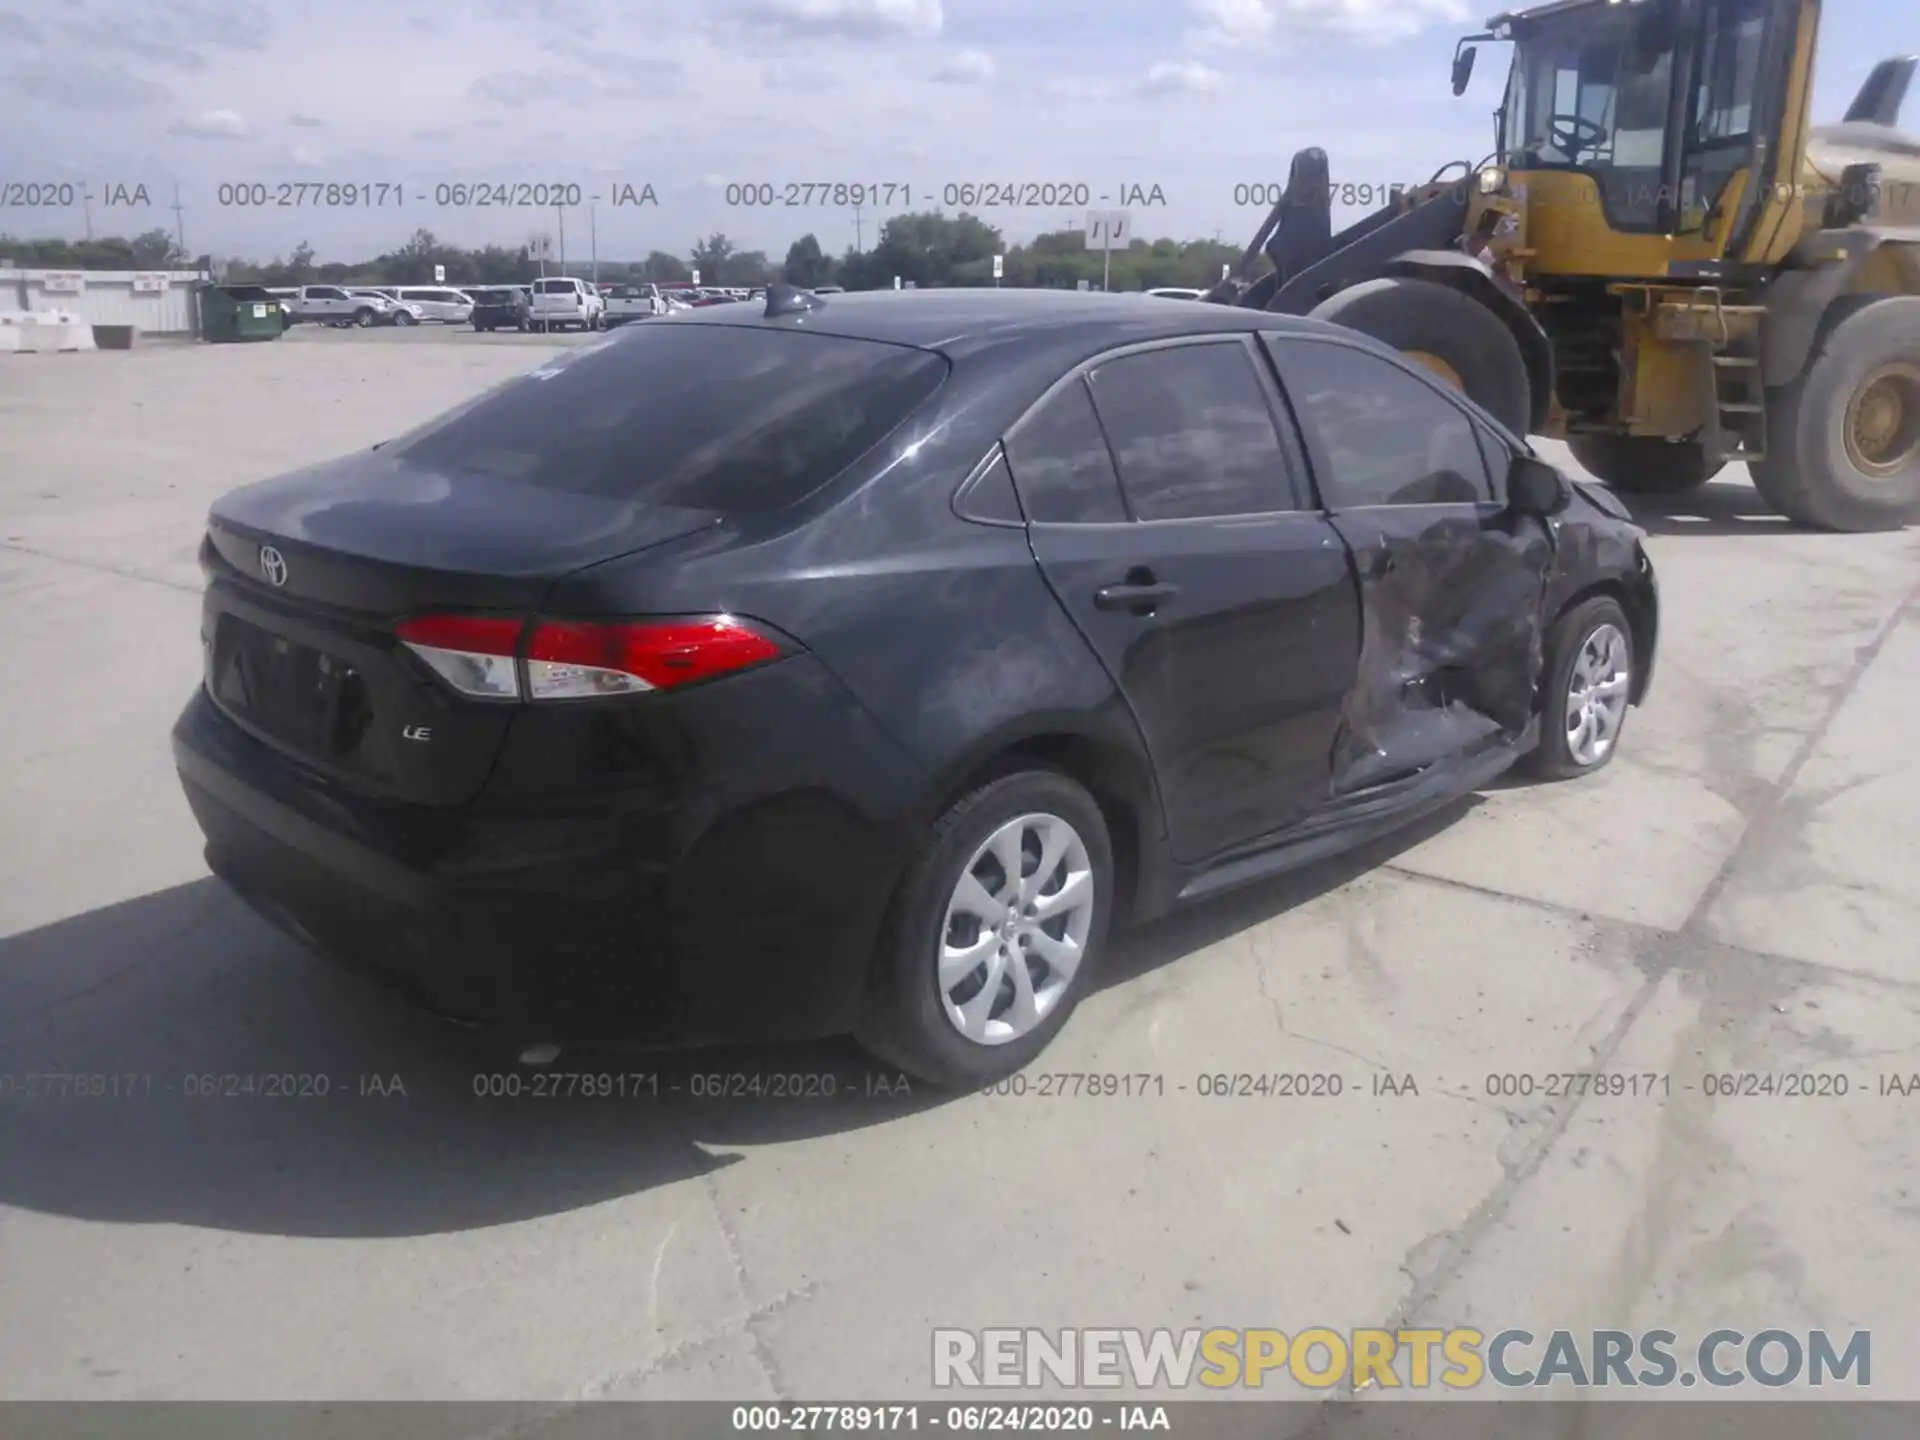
(1663, 262)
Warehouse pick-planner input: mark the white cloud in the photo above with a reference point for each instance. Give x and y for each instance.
(968, 67)
(841, 19)
(1181, 77)
(796, 75)
(1244, 22)
(212, 125)
(306, 122)
(305, 159)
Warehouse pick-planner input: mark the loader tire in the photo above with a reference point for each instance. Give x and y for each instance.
(1843, 439)
(1644, 465)
(1450, 334)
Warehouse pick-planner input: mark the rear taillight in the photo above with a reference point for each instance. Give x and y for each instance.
(472, 653)
(577, 659)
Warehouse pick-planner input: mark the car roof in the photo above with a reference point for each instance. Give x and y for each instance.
(960, 321)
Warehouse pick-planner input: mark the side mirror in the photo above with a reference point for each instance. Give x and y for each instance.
(1463, 68)
(1535, 488)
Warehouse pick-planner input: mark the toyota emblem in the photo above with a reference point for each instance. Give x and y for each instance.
(273, 565)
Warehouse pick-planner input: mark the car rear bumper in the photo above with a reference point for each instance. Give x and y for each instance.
(656, 921)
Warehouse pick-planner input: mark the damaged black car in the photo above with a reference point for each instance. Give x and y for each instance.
(855, 664)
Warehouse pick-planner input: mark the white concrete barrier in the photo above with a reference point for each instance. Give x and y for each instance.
(43, 332)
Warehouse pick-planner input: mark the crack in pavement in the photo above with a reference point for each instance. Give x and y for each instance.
(99, 568)
(1680, 946)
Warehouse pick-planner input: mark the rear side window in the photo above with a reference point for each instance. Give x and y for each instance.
(1191, 433)
(732, 419)
(1061, 463)
(1384, 437)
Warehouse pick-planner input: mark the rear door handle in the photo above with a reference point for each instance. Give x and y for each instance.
(1140, 599)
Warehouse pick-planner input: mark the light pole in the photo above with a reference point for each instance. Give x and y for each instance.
(561, 212)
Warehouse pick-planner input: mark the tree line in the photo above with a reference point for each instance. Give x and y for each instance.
(928, 249)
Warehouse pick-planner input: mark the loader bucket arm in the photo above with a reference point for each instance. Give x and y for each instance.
(1297, 232)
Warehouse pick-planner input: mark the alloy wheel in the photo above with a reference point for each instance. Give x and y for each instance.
(1016, 929)
(1597, 693)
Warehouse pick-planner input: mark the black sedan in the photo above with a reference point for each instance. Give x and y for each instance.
(853, 664)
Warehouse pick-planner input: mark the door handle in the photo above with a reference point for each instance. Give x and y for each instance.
(1136, 597)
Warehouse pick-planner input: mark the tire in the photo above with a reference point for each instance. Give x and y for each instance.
(363, 317)
(481, 329)
(1812, 474)
(1555, 758)
(401, 317)
(1418, 315)
(1643, 465)
(906, 1021)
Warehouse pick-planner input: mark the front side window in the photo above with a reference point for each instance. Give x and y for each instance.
(1383, 436)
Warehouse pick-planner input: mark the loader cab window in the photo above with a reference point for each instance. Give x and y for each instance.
(1722, 114)
(1589, 92)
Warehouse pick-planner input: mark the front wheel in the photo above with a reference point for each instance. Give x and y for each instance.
(994, 934)
(1843, 440)
(1451, 335)
(1588, 687)
(1644, 465)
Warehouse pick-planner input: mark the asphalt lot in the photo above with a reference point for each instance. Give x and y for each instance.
(1738, 893)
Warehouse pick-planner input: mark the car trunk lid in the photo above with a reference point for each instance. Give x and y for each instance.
(309, 574)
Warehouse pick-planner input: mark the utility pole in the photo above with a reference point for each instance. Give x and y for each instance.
(593, 241)
(560, 210)
(179, 220)
(859, 244)
(86, 199)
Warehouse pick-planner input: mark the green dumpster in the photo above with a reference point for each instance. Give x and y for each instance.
(240, 312)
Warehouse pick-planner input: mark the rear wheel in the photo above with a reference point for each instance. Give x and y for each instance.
(403, 317)
(363, 317)
(993, 935)
(1843, 440)
(1456, 337)
(1645, 465)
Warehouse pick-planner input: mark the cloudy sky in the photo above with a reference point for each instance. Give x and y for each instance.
(1195, 97)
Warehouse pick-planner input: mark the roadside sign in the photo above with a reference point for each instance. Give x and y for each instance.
(999, 266)
(896, 282)
(63, 282)
(148, 282)
(540, 246)
(1226, 269)
(696, 277)
(1108, 230)
(1083, 285)
(439, 274)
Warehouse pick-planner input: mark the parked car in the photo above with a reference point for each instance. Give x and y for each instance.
(507, 307)
(829, 289)
(562, 300)
(437, 302)
(398, 311)
(633, 302)
(935, 635)
(337, 305)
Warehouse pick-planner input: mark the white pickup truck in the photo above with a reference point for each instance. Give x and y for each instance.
(633, 302)
(561, 300)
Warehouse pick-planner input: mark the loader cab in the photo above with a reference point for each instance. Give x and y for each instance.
(1654, 118)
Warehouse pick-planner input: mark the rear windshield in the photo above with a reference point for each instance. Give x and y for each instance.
(491, 297)
(554, 287)
(733, 419)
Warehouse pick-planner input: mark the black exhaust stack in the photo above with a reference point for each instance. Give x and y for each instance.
(1880, 99)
